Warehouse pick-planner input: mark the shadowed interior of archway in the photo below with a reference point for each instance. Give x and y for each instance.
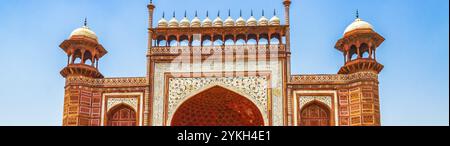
(218, 107)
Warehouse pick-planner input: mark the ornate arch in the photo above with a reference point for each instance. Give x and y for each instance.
(122, 115)
(253, 88)
(217, 106)
(328, 98)
(315, 113)
(133, 100)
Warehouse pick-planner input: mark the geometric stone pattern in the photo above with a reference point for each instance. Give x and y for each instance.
(218, 106)
(129, 82)
(334, 79)
(175, 50)
(344, 108)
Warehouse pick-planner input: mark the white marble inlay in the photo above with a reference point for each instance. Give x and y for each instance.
(252, 87)
(307, 99)
(276, 84)
(132, 102)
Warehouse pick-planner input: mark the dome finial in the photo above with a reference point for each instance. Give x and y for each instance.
(240, 13)
(196, 13)
(185, 13)
(173, 14)
(251, 13)
(151, 1)
(229, 13)
(218, 13)
(274, 12)
(358, 24)
(357, 13)
(164, 14)
(85, 21)
(207, 13)
(263, 12)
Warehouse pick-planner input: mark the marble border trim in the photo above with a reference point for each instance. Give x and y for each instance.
(140, 105)
(335, 103)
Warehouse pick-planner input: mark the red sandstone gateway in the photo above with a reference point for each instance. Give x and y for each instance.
(215, 72)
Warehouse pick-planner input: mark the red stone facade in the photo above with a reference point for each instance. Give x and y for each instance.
(235, 98)
(357, 96)
(84, 98)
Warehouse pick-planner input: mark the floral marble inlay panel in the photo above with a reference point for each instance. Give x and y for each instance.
(132, 102)
(307, 99)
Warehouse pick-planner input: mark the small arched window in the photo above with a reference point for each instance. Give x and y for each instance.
(263, 41)
(353, 52)
(274, 40)
(206, 40)
(173, 41)
(184, 40)
(240, 42)
(252, 39)
(229, 42)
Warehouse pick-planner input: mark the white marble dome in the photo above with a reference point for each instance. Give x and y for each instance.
(275, 20)
(229, 22)
(84, 31)
(358, 24)
(196, 22)
(162, 23)
(263, 21)
(173, 22)
(218, 22)
(207, 22)
(240, 21)
(185, 22)
(252, 21)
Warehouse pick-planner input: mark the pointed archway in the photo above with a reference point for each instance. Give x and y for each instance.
(315, 114)
(122, 115)
(218, 106)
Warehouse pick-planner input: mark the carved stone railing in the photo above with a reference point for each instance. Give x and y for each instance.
(81, 69)
(210, 50)
(361, 64)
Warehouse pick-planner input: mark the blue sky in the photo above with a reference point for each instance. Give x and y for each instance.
(414, 86)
